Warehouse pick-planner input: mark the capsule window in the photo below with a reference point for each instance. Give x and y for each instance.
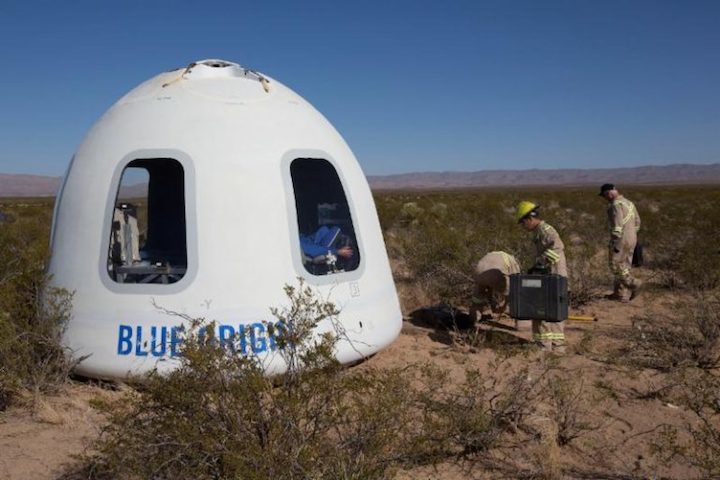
(148, 241)
(327, 243)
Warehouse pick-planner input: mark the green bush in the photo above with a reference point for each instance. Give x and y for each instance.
(435, 238)
(680, 233)
(440, 236)
(218, 416)
(688, 337)
(32, 316)
(474, 417)
(695, 443)
(570, 408)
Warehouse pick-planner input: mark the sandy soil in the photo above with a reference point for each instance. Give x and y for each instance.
(38, 442)
(619, 446)
(40, 436)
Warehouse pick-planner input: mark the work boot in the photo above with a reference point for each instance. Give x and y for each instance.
(618, 294)
(635, 289)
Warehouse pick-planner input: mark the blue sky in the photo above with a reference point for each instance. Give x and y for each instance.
(411, 85)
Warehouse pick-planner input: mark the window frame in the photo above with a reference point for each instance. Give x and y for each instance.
(190, 224)
(293, 228)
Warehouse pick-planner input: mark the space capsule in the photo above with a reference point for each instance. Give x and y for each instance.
(203, 191)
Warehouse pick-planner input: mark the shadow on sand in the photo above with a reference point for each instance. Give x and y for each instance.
(448, 322)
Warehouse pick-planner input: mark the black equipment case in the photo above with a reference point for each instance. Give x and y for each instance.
(538, 297)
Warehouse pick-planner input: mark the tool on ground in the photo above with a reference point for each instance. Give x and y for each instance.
(578, 318)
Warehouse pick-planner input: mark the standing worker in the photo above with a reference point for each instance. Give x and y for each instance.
(550, 258)
(624, 223)
(492, 284)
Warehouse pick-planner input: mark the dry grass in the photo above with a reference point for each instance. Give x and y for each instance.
(32, 317)
(687, 337)
(519, 416)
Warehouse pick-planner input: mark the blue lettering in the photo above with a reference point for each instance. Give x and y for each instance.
(243, 339)
(206, 335)
(176, 340)
(154, 342)
(258, 341)
(273, 331)
(139, 343)
(124, 340)
(227, 334)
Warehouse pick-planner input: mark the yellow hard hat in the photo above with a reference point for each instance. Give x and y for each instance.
(524, 208)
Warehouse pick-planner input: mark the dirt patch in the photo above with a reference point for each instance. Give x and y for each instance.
(38, 440)
(39, 437)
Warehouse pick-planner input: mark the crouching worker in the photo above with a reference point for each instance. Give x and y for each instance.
(549, 258)
(492, 284)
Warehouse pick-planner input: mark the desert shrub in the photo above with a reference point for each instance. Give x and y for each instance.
(439, 236)
(699, 264)
(32, 316)
(570, 408)
(218, 416)
(587, 274)
(475, 417)
(689, 336)
(697, 442)
(681, 235)
(514, 423)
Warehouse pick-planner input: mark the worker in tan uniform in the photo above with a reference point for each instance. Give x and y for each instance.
(492, 284)
(550, 258)
(624, 223)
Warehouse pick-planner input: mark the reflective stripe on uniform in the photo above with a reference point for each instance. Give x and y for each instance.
(548, 336)
(506, 259)
(631, 210)
(542, 336)
(631, 213)
(627, 217)
(624, 272)
(544, 228)
(551, 255)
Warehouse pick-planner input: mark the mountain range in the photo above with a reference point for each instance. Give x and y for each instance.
(646, 175)
(43, 186)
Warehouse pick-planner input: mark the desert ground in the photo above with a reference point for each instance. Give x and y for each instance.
(625, 414)
(39, 438)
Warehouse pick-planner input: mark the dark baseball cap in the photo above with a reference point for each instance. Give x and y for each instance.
(606, 188)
